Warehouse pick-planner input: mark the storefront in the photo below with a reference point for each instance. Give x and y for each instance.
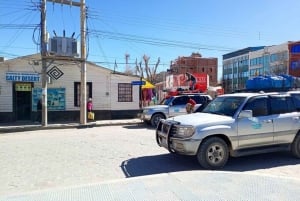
(114, 97)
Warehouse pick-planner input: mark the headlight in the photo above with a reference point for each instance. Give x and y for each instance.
(146, 111)
(185, 131)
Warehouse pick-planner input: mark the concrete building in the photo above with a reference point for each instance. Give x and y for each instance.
(271, 60)
(240, 65)
(196, 64)
(114, 96)
(236, 69)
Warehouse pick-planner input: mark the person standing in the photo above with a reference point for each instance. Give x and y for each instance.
(90, 105)
(39, 111)
(190, 105)
(90, 109)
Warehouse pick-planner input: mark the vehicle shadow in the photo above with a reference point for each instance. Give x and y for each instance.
(139, 126)
(167, 163)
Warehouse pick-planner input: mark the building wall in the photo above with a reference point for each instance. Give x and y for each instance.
(263, 60)
(272, 60)
(104, 90)
(235, 72)
(294, 58)
(196, 64)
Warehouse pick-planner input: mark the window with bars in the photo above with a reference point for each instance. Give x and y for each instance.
(124, 92)
(77, 94)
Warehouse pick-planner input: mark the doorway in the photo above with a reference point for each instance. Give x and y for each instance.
(22, 101)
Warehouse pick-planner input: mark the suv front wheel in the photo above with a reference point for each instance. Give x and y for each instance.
(296, 146)
(213, 153)
(156, 118)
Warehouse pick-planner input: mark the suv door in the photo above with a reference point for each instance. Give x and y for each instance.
(286, 119)
(258, 130)
(178, 106)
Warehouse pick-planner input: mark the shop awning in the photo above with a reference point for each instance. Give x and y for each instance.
(147, 85)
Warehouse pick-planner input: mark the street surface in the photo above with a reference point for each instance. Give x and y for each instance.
(46, 159)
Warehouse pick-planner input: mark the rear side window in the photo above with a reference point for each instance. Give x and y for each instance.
(199, 99)
(296, 100)
(180, 100)
(281, 105)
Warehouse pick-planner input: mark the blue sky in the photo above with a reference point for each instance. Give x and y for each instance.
(157, 28)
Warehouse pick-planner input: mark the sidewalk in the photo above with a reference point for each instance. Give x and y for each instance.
(29, 126)
(186, 185)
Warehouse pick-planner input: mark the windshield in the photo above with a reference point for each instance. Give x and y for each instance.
(166, 101)
(224, 105)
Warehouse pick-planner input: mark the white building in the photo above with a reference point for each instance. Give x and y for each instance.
(114, 96)
(271, 60)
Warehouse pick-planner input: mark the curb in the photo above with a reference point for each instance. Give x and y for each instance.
(23, 128)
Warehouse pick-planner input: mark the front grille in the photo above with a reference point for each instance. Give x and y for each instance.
(165, 128)
(169, 127)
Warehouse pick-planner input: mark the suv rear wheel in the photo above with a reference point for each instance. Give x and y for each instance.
(296, 146)
(213, 153)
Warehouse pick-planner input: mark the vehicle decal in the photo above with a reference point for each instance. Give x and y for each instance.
(255, 123)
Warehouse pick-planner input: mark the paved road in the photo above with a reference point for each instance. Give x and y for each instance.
(45, 159)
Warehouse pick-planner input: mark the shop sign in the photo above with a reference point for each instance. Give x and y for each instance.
(22, 77)
(23, 87)
(138, 82)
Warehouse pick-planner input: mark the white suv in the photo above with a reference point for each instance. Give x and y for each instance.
(172, 106)
(235, 125)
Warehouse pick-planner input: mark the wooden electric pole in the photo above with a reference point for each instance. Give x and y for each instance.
(83, 109)
(44, 64)
(83, 98)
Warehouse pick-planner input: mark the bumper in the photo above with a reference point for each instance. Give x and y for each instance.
(144, 117)
(184, 146)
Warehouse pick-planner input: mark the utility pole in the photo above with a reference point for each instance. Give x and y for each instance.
(83, 101)
(44, 64)
(83, 108)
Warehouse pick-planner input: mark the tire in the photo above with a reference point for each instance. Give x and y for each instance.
(213, 153)
(156, 118)
(295, 148)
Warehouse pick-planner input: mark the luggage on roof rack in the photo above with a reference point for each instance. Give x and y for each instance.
(272, 83)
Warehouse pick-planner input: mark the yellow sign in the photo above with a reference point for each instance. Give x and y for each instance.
(23, 87)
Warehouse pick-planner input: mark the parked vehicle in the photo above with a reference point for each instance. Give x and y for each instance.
(172, 106)
(235, 125)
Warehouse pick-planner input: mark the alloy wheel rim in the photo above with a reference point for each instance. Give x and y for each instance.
(215, 154)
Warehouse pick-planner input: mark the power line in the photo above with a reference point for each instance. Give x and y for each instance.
(155, 41)
(18, 26)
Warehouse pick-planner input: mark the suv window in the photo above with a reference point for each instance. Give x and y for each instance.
(296, 100)
(258, 105)
(180, 100)
(199, 99)
(281, 104)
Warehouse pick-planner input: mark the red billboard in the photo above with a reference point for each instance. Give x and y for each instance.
(191, 81)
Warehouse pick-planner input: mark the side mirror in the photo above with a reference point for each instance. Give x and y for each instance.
(246, 114)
